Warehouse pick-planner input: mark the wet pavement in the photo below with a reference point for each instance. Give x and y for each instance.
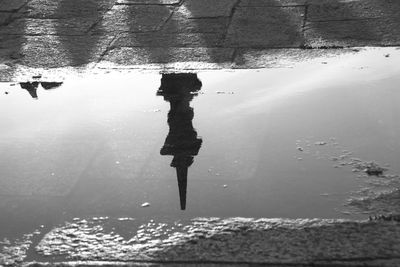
(156, 167)
(185, 33)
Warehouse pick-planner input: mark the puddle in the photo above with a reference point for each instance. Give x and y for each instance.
(316, 141)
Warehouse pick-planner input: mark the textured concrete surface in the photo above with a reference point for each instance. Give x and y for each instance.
(267, 242)
(59, 33)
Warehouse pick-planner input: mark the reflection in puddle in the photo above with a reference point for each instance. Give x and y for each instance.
(32, 87)
(282, 145)
(182, 142)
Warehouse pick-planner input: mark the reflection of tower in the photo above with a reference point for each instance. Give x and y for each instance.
(182, 141)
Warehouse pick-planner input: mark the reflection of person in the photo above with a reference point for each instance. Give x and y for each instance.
(31, 87)
(182, 141)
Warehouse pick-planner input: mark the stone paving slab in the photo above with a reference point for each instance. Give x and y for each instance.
(134, 18)
(266, 27)
(269, 3)
(159, 55)
(148, 2)
(12, 5)
(147, 40)
(209, 8)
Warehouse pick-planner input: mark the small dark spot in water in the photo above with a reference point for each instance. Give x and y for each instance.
(387, 55)
(374, 171)
(37, 76)
(6, 93)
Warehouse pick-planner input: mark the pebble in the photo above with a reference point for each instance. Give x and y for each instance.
(225, 186)
(145, 204)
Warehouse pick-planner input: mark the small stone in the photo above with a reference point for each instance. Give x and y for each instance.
(299, 148)
(6, 92)
(387, 55)
(145, 204)
(225, 185)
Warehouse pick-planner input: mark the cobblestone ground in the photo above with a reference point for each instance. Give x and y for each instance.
(225, 33)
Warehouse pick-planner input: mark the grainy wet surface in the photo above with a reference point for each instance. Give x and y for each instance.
(102, 156)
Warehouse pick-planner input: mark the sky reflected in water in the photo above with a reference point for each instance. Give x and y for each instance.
(253, 143)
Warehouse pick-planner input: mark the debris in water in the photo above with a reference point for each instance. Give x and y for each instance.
(299, 148)
(320, 143)
(387, 55)
(145, 204)
(225, 185)
(37, 76)
(374, 170)
(371, 168)
(6, 92)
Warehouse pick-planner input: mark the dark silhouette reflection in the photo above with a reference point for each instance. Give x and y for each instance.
(182, 141)
(31, 87)
(50, 85)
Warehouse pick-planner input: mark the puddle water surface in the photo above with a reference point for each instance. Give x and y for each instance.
(293, 143)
